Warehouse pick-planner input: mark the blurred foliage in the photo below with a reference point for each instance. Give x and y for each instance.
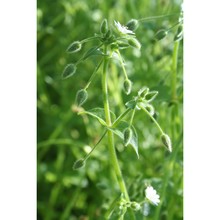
(63, 136)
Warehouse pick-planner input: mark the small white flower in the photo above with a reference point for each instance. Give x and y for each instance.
(122, 29)
(151, 195)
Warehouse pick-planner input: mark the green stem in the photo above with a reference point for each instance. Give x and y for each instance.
(122, 64)
(93, 75)
(113, 156)
(116, 122)
(88, 39)
(88, 155)
(152, 118)
(132, 117)
(174, 70)
(156, 17)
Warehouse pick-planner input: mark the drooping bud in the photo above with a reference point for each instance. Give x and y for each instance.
(132, 24)
(69, 70)
(150, 96)
(74, 47)
(104, 27)
(127, 86)
(167, 142)
(81, 97)
(134, 43)
(127, 136)
(78, 164)
(161, 34)
(143, 92)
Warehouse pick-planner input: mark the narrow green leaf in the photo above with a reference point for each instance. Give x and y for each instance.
(98, 113)
(119, 131)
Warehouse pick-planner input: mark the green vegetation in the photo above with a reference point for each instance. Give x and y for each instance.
(71, 81)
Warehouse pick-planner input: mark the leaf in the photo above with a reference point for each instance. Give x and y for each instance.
(69, 71)
(99, 113)
(119, 131)
(94, 51)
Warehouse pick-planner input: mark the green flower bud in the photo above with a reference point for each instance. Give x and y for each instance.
(127, 136)
(166, 141)
(132, 24)
(69, 70)
(78, 164)
(134, 43)
(81, 97)
(104, 27)
(161, 34)
(135, 206)
(127, 86)
(150, 96)
(122, 44)
(74, 47)
(143, 92)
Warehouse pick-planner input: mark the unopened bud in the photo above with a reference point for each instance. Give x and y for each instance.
(161, 34)
(150, 96)
(134, 43)
(127, 136)
(78, 164)
(143, 92)
(69, 70)
(166, 141)
(127, 86)
(104, 27)
(135, 206)
(81, 97)
(132, 24)
(74, 47)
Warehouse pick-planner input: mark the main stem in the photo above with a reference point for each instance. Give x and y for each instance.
(111, 147)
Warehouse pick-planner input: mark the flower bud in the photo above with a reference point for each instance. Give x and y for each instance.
(69, 70)
(81, 97)
(143, 92)
(166, 141)
(134, 43)
(127, 136)
(78, 164)
(74, 47)
(150, 96)
(135, 206)
(104, 27)
(132, 24)
(161, 34)
(127, 86)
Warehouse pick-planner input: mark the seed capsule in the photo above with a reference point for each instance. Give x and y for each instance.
(127, 136)
(74, 47)
(134, 43)
(166, 141)
(81, 97)
(127, 86)
(78, 164)
(161, 34)
(69, 70)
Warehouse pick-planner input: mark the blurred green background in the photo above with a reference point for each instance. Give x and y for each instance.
(63, 136)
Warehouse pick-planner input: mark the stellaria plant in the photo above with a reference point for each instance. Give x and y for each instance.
(112, 39)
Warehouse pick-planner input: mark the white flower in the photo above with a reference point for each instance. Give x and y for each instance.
(122, 29)
(151, 195)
